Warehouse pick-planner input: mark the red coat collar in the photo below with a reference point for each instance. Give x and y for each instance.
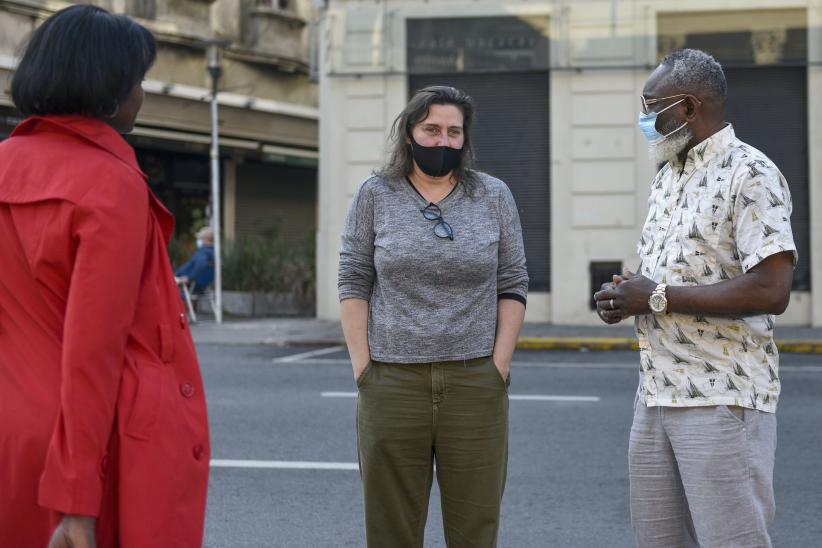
(103, 136)
(90, 129)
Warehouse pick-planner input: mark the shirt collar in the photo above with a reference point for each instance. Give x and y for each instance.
(90, 129)
(705, 151)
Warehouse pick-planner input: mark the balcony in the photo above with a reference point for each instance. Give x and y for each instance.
(273, 28)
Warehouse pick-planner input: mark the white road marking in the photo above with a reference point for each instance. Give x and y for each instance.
(283, 464)
(578, 365)
(338, 394)
(520, 397)
(537, 397)
(310, 354)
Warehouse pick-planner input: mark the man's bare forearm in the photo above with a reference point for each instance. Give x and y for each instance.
(765, 289)
(746, 295)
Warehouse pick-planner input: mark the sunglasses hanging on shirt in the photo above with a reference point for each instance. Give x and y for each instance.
(442, 229)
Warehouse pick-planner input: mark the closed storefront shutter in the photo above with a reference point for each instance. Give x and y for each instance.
(764, 54)
(504, 64)
(276, 200)
(511, 142)
(768, 107)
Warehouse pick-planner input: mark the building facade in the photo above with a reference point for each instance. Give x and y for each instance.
(268, 114)
(557, 87)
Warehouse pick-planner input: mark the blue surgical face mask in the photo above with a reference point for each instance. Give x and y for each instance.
(647, 123)
(199, 242)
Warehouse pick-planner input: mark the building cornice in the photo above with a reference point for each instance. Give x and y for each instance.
(202, 94)
(169, 32)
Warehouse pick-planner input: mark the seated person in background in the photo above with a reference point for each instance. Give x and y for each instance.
(200, 267)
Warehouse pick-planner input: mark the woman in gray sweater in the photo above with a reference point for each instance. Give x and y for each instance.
(432, 284)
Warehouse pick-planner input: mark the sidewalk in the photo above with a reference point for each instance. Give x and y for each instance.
(311, 331)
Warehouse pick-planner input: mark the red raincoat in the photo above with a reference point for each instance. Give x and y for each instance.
(102, 410)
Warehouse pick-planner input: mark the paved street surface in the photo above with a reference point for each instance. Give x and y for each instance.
(284, 450)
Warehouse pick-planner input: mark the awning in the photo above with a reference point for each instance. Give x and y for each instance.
(266, 152)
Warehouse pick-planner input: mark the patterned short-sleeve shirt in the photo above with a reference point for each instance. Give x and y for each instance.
(712, 219)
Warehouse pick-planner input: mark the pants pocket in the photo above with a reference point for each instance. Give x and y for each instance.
(734, 412)
(364, 373)
(506, 381)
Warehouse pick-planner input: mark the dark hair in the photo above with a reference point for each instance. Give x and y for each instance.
(82, 60)
(695, 71)
(401, 161)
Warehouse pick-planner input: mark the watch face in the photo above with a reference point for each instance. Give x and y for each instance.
(658, 302)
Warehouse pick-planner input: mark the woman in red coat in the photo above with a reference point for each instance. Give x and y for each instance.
(103, 430)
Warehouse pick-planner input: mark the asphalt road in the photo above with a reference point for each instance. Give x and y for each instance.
(567, 476)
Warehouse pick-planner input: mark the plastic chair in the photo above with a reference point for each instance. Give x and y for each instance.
(192, 315)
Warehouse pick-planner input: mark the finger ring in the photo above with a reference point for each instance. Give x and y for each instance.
(612, 304)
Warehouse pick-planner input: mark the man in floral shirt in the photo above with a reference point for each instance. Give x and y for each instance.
(717, 258)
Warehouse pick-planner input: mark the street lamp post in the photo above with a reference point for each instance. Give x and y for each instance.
(214, 54)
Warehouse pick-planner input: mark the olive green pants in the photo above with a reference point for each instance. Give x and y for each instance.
(412, 415)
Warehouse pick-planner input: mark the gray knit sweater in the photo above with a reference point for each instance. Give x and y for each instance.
(430, 298)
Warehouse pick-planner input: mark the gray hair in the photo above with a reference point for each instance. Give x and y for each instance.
(697, 72)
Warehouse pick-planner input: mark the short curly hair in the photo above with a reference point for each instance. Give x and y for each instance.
(697, 72)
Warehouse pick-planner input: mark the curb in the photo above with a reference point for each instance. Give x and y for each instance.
(800, 346)
(793, 346)
(578, 343)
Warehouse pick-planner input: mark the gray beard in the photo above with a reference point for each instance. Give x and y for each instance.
(669, 149)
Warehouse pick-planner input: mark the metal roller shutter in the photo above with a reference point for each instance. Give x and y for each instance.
(276, 198)
(766, 69)
(768, 107)
(511, 142)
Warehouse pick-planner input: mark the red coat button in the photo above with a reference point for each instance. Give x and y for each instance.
(199, 452)
(104, 466)
(187, 390)
(182, 321)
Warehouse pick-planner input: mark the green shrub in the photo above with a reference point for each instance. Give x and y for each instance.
(267, 264)
(179, 251)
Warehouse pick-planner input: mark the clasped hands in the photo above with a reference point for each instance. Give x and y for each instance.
(625, 296)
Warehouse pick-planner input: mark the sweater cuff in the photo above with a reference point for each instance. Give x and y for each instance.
(353, 292)
(514, 297)
(80, 492)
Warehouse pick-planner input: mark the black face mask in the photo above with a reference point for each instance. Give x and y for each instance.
(436, 161)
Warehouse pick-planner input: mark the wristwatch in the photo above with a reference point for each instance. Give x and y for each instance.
(658, 302)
